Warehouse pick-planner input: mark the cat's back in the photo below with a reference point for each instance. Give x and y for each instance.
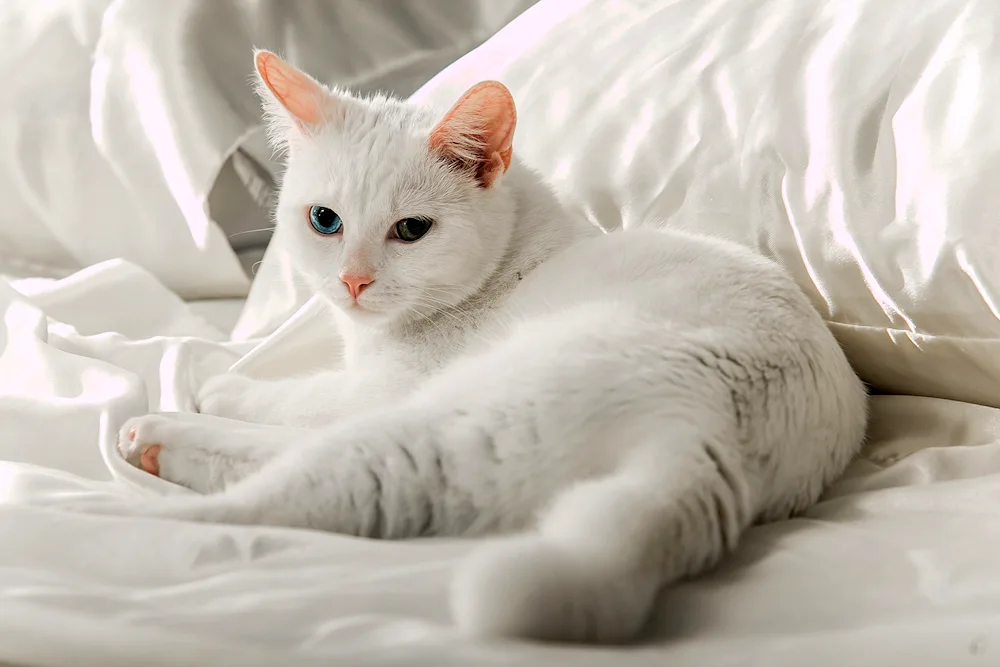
(692, 281)
(723, 315)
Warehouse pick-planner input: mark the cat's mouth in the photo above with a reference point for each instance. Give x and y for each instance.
(351, 306)
(359, 310)
(355, 309)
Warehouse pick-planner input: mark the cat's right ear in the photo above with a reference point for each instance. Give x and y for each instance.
(294, 102)
(476, 135)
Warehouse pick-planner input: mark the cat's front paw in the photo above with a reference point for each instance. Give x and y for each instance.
(228, 395)
(171, 449)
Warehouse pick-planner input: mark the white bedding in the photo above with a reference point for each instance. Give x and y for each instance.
(898, 565)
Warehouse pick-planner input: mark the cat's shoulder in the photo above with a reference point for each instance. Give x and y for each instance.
(638, 250)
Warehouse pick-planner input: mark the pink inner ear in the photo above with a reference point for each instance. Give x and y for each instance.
(483, 118)
(297, 92)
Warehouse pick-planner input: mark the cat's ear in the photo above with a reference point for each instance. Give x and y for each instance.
(477, 134)
(293, 100)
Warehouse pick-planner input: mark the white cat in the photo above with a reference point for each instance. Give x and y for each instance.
(627, 404)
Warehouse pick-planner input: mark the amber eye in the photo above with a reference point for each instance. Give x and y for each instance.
(324, 220)
(412, 229)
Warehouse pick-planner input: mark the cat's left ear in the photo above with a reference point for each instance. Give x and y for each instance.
(477, 134)
(293, 100)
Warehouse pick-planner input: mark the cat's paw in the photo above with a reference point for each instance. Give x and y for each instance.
(176, 451)
(228, 395)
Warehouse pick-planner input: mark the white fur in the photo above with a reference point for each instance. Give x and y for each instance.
(622, 406)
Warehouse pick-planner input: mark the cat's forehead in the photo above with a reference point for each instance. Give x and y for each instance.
(380, 123)
(376, 161)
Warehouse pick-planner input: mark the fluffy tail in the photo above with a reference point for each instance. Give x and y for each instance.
(605, 549)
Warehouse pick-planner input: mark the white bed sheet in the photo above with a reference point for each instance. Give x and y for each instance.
(896, 567)
(223, 314)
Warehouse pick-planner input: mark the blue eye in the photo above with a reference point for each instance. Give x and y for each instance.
(324, 220)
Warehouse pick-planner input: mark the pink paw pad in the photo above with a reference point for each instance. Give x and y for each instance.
(149, 460)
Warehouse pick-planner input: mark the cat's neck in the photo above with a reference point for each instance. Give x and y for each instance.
(543, 227)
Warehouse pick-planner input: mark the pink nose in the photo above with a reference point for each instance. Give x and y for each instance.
(356, 282)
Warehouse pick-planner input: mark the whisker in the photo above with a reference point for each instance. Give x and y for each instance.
(461, 318)
(252, 231)
(287, 280)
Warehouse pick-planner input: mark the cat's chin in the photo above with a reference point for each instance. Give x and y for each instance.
(362, 314)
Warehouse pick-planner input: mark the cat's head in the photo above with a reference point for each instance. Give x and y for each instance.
(388, 210)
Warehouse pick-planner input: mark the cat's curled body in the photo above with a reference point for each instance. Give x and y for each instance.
(621, 406)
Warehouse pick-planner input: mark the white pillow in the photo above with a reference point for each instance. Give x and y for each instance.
(64, 203)
(856, 142)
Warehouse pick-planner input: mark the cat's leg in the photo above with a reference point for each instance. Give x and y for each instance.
(606, 547)
(307, 401)
(368, 477)
(591, 571)
(200, 452)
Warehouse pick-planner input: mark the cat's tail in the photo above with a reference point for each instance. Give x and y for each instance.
(606, 548)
